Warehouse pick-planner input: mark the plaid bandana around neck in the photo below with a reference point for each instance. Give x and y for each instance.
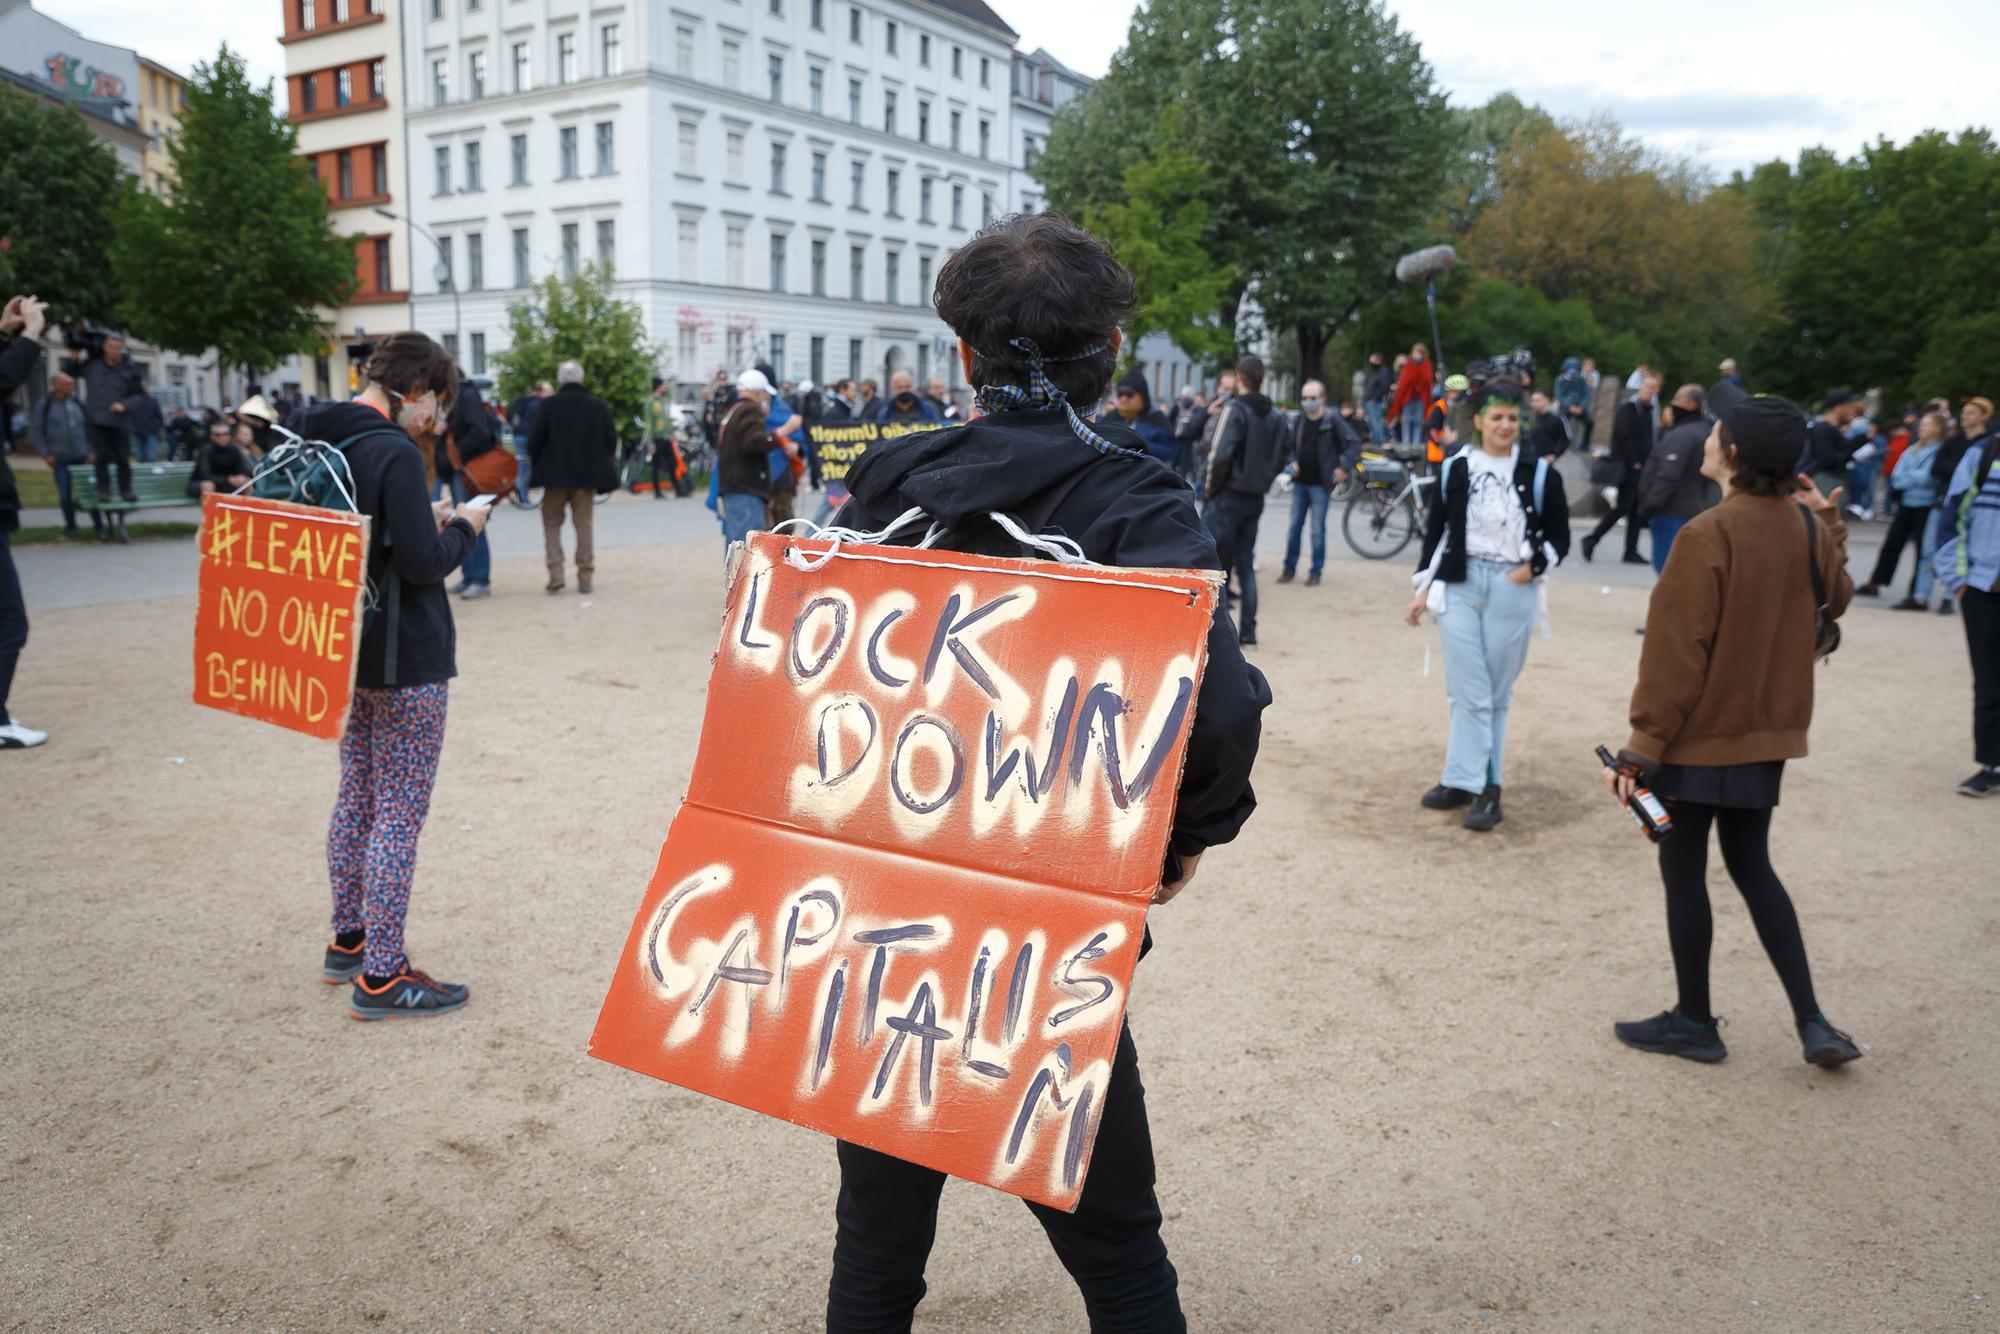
(1043, 396)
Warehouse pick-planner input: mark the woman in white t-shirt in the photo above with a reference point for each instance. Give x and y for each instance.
(1498, 523)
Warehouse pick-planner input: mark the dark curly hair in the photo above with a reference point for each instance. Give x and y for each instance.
(410, 363)
(1041, 277)
(1757, 481)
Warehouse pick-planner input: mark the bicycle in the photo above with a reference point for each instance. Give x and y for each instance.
(1387, 510)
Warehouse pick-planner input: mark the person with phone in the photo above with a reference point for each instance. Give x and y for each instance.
(21, 324)
(1725, 698)
(405, 660)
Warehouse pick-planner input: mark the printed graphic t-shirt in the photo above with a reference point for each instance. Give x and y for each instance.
(1495, 525)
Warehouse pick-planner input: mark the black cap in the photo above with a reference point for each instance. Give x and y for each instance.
(1769, 432)
(1835, 399)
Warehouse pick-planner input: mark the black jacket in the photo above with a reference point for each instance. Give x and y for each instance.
(17, 358)
(1672, 487)
(404, 544)
(573, 443)
(1549, 437)
(1380, 384)
(743, 451)
(1632, 430)
(1250, 445)
(1447, 515)
(1122, 509)
(1827, 450)
(218, 463)
(1319, 447)
(105, 384)
(471, 428)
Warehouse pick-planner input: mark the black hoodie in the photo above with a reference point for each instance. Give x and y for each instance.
(1250, 447)
(1151, 424)
(1122, 509)
(404, 544)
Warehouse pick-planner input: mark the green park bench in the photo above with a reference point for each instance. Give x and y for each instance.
(158, 486)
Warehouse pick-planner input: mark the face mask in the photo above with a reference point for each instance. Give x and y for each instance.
(1312, 404)
(417, 413)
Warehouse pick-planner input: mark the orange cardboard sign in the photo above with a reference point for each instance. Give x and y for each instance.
(278, 623)
(902, 900)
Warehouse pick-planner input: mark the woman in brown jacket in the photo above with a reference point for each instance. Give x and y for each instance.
(1725, 697)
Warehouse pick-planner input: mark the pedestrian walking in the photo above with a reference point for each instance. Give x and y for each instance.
(468, 434)
(574, 449)
(1672, 488)
(1725, 697)
(1633, 429)
(1969, 563)
(1915, 492)
(1250, 443)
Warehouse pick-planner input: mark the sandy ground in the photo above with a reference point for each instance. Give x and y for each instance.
(1383, 1089)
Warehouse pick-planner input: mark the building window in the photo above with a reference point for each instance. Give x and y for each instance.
(857, 264)
(777, 169)
(437, 9)
(733, 347)
(777, 8)
(924, 283)
(958, 206)
(985, 72)
(818, 11)
(985, 207)
(732, 257)
(479, 354)
(854, 25)
(777, 76)
(608, 58)
(607, 244)
(816, 90)
(518, 151)
(923, 121)
(309, 93)
(440, 83)
(1028, 152)
(690, 351)
(606, 154)
(451, 345)
(382, 274)
(690, 147)
(570, 257)
(472, 167)
(778, 355)
(475, 262)
(377, 88)
(888, 111)
(522, 276)
(446, 279)
(346, 161)
(343, 87)
(816, 363)
(889, 37)
(566, 57)
(893, 181)
(340, 11)
(684, 51)
(924, 201)
(690, 260)
(957, 122)
(441, 159)
(307, 15)
(733, 157)
(732, 64)
(857, 183)
(475, 75)
(854, 101)
(958, 62)
(818, 271)
(985, 137)
(379, 169)
(924, 49)
(566, 146)
(523, 70)
(777, 262)
(819, 178)
(892, 265)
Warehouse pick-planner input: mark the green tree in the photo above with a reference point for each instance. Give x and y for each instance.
(57, 187)
(1156, 231)
(1490, 140)
(581, 319)
(1957, 360)
(243, 252)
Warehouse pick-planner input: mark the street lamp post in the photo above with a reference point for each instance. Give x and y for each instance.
(443, 272)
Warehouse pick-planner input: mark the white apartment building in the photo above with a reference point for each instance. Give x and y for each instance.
(767, 179)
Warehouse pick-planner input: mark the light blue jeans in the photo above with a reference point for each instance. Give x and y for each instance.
(1377, 428)
(742, 514)
(1486, 624)
(1920, 586)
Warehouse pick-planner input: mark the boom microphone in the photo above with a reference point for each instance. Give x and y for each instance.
(1420, 266)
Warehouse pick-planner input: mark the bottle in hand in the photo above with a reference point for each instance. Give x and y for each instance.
(1648, 811)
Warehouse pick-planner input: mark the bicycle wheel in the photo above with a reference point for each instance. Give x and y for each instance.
(1377, 524)
(635, 471)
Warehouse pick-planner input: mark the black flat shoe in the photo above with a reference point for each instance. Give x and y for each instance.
(1485, 812)
(1442, 798)
(1671, 1033)
(1825, 1045)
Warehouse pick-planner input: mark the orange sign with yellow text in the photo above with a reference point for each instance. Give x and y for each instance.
(903, 898)
(279, 619)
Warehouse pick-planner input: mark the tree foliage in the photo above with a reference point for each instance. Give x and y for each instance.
(581, 319)
(242, 253)
(57, 184)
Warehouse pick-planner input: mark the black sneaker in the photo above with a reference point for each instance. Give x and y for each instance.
(1911, 604)
(1312, 581)
(411, 994)
(342, 965)
(1671, 1033)
(1485, 812)
(1825, 1045)
(1286, 576)
(1871, 589)
(1985, 783)
(1442, 798)
(1944, 608)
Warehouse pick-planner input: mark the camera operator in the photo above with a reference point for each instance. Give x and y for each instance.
(113, 389)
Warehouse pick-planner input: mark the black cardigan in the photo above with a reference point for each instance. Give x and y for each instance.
(1447, 513)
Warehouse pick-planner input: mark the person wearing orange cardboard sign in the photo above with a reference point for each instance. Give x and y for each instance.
(1036, 302)
(407, 654)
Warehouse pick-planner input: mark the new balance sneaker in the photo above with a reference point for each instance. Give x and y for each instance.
(1985, 783)
(1671, 1033)
(16, 736)
(410, 994)
(1825, 1045)
(342, 964)
(1442, 798)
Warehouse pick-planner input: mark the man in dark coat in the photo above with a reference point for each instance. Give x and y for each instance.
(1323, 452)
(112, 385)
(1671, 487)
(1632, 430)
(1251, 440)
(471, 434)
(1031, 454)
(574, 449)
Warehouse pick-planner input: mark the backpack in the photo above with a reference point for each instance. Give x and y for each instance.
(1264, 450)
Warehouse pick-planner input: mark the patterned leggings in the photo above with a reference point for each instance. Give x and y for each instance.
(388, 762)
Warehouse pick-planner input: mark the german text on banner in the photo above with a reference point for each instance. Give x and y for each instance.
(279, 620)
(902, 900)
(840, 444)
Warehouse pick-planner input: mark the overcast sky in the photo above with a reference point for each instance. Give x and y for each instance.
(1730, 81)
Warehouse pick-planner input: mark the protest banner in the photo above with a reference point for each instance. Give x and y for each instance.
(840, 444)
(278, 621)
(902, 900)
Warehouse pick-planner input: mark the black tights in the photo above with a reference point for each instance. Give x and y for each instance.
(1745, 837)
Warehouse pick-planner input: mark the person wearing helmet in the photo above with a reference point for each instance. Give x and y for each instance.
(1439, 433)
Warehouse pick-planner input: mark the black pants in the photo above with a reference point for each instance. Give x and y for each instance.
(1905, 528)
(1982, 637)
(1745, 837)
(1111, 1246)
(110, 445)
(1232, 520)
(13, 623)
(1627, 509)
